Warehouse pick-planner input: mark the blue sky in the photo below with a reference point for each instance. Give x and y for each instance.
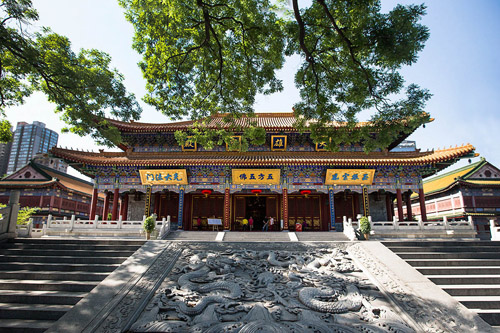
(460, 65)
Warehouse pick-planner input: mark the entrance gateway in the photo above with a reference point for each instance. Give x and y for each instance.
(289, 177)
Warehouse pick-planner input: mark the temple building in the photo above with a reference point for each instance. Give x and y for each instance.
(52, 191)
(472, 190)
(290, 177)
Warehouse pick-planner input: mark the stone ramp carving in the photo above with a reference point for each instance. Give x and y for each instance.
(268, 287)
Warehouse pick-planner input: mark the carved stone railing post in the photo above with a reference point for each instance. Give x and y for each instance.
(495, 231)
(471, 222)
(72, 223)
(49, 221)
(420, 223)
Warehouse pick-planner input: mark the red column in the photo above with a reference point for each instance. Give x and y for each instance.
(93, 204)
(285, 209)
(114, 211)
(421, 199)
(355, 197)
(408, 206)
(399, 202)
(157, 205)
(125, 206)
(227, 209)
(106, 207)
(388, 206)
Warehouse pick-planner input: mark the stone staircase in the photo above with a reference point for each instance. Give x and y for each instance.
(467, 270)
(41, 279)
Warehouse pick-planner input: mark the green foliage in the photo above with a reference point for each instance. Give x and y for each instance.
(203, 58)
(82, 86)
(149, 224)
(5, 131)
(364, 225)
(25, 214)
(2, 206)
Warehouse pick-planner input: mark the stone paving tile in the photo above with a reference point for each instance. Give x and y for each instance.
(321, 236)
(257, 236)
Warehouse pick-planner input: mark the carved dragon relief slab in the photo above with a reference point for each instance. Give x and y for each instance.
(288, 289)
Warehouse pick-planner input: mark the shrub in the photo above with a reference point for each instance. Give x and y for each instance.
(24, 214)
(149, 224)
(364, 225)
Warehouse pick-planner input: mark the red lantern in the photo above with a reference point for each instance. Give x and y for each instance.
(257, 192)
(206, 192)
(305, 192)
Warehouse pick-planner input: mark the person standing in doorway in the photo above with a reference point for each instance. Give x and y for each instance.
(245, 224)
(266, 224)
(250, 223)
(271, 223)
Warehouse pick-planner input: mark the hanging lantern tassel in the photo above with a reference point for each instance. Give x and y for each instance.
(206, 193)
(256, 192)
(305, 193)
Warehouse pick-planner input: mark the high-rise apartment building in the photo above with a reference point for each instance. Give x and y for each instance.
(4, 157)
(29, 140)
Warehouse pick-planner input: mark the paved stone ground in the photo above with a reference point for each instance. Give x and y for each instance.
(267, 286)
(256, 236)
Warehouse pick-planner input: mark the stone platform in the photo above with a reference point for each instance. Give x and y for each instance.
(293, 286)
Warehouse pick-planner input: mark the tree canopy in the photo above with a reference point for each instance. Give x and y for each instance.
(210, 57)
(82, 85)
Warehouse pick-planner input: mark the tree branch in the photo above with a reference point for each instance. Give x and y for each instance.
(302, 34)
(349, 46)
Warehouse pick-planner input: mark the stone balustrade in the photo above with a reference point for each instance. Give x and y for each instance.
(96, 227)
(413, 229)
(4, 219)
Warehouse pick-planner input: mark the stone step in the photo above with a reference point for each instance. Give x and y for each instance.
(53, 275)
(63, 246)
(491, 316)
(74, 253)
(40, 297)
(61, 259)
(453, 262)
(464, 279)
(455, 255)
(24, 325)
(62, 267)
(479, 302)
(445, 249)
(33, 311)
(47, 285)
(470, 270)
(472, 289)
(423, 243)
(91, 241)
(208, 236)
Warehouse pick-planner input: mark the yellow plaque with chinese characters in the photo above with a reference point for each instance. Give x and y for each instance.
(256, 176)
(349, 176)
(189, 145)
(164, 177)
(278, 142)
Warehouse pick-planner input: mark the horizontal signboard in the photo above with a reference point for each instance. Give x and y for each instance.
(349, 176)
(256, 176)
(164, 177)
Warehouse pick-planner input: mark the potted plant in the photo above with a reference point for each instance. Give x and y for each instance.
(365, 227)
(149, 225)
